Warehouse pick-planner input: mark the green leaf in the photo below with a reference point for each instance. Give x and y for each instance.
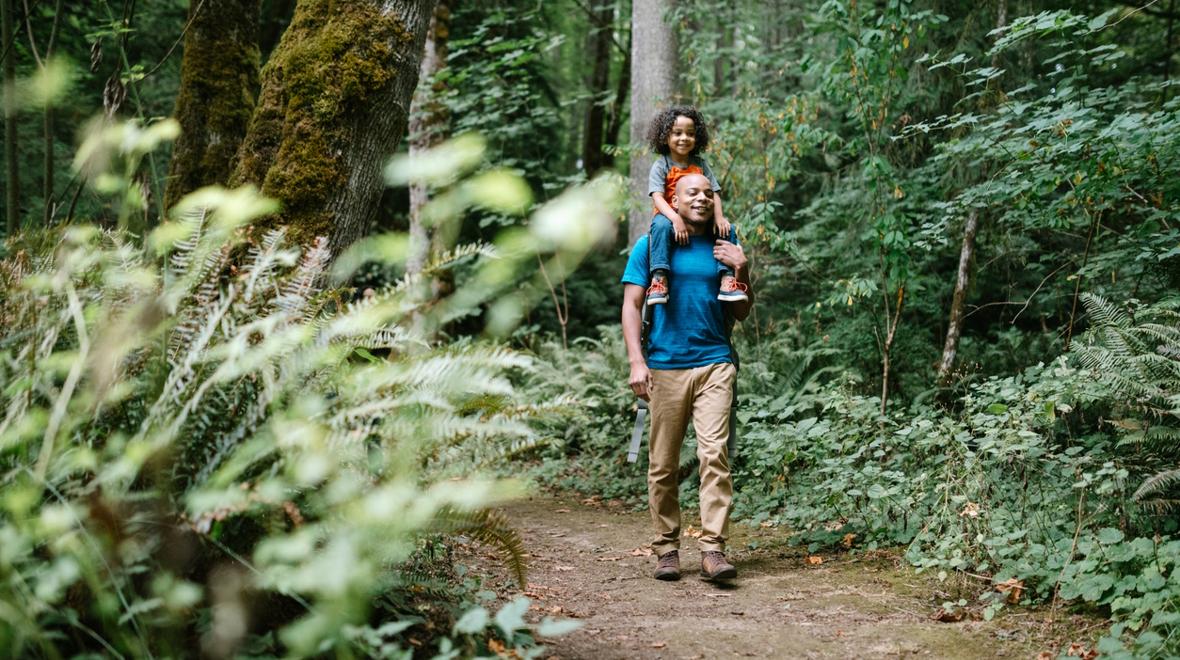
(510, 618)
(557, 627)
(1109, 535)
(472, 621)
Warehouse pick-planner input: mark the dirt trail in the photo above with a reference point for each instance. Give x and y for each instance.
(582, 565)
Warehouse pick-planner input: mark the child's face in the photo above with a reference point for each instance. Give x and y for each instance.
(682, 138)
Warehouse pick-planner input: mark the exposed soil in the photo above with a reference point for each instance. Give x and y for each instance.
(587, 561)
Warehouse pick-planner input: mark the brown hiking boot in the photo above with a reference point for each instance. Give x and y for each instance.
(668, 567)
(714, 567)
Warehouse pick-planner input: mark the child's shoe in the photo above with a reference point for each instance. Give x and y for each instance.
(657, 293)
(731, 290)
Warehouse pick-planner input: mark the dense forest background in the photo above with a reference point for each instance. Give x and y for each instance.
(276, 270)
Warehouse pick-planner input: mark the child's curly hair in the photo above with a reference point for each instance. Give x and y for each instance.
(661, 128)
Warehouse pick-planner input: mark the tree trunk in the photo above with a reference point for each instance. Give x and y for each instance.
(653, 84)
(601, 35)
(12, 179)
(618, 106)
(218, 88)
(955, 326)
(428, 121)
(333, 106)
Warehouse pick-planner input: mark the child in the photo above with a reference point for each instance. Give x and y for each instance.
(679, 135)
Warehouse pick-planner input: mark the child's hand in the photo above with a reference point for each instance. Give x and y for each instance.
(723, 228)
(679, 229)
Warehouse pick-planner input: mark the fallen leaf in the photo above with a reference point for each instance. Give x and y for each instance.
(1013, 588)
(562, 511)
(1077, 650)
(563, 568)
(641, 552)
(814, 560)
(592, 501)
(847, 540)
(1046, 655)
(659, 645)
(608, 558)
(496, 646)
(944, 616)
(766, 523)
(971, 510)
(737, 613)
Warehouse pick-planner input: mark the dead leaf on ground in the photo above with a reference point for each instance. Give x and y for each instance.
(1077, 650)
(814, 560)
(659, 645)
(1046, 655)
(563, 569)
(608, 558)
(766, 523)
(1013, 588)
(847, 540)
(595, 500)
(496, 646)
(945, 616)
(641, 552)
(970, 510)
(691, 532)
(562, 511)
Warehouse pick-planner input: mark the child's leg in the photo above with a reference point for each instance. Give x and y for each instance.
(731, 290)
(660, 242)
(722, 269)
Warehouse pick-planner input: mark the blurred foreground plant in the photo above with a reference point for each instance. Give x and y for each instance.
(211, 439)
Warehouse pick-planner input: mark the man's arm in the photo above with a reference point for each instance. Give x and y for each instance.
(633, 301)
(732, 255)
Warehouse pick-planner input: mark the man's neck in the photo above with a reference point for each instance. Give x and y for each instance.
(697, 228)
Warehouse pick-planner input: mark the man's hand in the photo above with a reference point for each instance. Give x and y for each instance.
(641, 380)
(723, 227)
(679, 229)
(730, 254)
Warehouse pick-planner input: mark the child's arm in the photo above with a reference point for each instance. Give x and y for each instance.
(679, 229)
(723, 226)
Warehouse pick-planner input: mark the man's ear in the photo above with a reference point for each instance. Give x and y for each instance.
(673, 203)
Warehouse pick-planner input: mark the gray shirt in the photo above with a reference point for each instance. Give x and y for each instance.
(656, 180)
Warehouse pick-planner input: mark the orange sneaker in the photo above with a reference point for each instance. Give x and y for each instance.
(732, 290)
(657, 293)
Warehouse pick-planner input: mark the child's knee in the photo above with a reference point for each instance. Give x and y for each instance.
(660, 222)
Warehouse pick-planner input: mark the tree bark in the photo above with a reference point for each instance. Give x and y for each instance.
(653, 84)
(593, 157)
(428, 120)
(333, 106)
(618, 106)
(12, 178)
(218, 89)
(955, 326)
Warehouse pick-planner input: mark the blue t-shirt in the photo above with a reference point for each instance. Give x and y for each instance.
(689, 330)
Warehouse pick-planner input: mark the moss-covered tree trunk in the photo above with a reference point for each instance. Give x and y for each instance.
(653, 85)
(333, 106)
(218, 87)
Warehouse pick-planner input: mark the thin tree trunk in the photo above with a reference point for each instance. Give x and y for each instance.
(617, 109)
(12, 180)
(722, 65)
(653, 85)
(428, 121)
(333, 107)
(892, 321)
(47, 170)
(593, 158)
(218, 88)
(955, 326)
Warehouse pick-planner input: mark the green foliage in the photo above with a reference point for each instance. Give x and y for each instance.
(225, 424)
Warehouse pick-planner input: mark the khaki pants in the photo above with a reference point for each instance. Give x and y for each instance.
(705, 394)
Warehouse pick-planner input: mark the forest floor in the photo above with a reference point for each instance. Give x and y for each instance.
(588, 560)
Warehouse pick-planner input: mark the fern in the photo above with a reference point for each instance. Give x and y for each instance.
(1140, 363)
(492, 528)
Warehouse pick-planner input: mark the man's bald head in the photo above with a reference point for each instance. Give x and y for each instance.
(693, 199)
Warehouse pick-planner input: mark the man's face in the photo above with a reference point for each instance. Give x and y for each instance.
(694, 199)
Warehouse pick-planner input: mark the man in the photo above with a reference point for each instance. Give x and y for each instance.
(689, 370)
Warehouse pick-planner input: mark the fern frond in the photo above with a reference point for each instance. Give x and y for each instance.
(489, 527)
